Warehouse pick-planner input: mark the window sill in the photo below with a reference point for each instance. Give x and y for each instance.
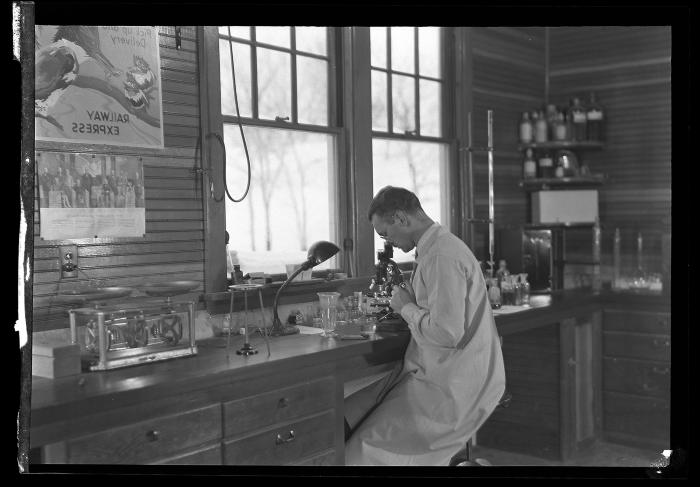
(295, 292)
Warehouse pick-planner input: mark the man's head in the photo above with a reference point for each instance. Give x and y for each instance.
(397, 216)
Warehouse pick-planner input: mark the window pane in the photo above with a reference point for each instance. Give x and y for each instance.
(403, 103)
(378, 46)
(429, 51)
(311, 39)
(241, 32)
(403, 56)
(379, 97)
(312, 88)
(417, 166)
(291, 202)
(274, 84)
(430, 108)
(278, 36)
(241, 61)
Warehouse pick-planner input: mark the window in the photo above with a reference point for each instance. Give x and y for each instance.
(314, 120)
(408, 149)
(282, 79)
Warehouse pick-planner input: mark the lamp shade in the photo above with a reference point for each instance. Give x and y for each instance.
(319, 252)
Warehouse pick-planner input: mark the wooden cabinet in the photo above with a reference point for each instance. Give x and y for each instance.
(637, 376)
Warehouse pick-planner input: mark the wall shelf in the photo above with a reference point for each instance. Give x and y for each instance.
(538, 184)
(564, 144)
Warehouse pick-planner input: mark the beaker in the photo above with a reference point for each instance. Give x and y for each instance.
(328, 303)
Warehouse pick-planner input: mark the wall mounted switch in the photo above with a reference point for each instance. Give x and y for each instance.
(68, 260)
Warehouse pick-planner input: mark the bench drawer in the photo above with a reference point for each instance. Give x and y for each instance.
(284, 444)
(638, 346)
(145, 441)
(283, 405)
(638, 322)
(637, 377)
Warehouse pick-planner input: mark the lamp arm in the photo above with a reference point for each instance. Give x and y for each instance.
(276, 320)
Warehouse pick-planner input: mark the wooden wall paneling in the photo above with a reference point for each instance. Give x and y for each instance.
(508, 79)
(629, 69)
(173, 247)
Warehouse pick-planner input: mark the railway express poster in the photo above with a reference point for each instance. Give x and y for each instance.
(98, 85)
(90, 196)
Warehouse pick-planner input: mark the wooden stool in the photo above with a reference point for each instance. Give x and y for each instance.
(463, 457)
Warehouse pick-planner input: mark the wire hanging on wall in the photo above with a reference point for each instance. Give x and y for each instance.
(223, 146)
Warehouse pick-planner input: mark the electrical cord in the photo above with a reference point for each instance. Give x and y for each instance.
(223, 146)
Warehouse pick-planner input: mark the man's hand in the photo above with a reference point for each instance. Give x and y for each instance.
(401, 296)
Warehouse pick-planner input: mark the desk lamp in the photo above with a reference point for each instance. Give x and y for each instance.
(319, 252)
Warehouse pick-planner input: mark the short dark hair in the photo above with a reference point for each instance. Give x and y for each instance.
(391, 198)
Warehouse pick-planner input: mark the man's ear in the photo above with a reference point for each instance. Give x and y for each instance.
(401, 217)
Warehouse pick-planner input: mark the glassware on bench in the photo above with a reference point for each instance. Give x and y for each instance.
(328, 303)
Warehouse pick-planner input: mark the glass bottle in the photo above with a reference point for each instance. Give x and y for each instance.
(540, 128)
(526, 129)
(594, 120)
(507, 291)
(560, 128)
(524, 290)
(517, 290)
(578, 120)
(502, 271)
(494, 293)
(546, 165)
(529, 165)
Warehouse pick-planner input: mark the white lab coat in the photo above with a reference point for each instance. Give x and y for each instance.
(452, 375)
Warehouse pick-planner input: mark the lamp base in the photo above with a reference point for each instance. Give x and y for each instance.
(284, 330)
(247, 349)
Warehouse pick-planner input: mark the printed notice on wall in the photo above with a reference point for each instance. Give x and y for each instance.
(90, 196)
(98, 85)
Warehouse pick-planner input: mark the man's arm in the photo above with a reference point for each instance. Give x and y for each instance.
(441, 322)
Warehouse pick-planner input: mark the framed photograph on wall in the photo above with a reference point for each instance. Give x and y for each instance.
(90, 195)
(98, 85)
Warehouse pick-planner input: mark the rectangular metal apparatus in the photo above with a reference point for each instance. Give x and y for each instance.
(133, 332)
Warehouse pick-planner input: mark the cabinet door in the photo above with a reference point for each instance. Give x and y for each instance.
(284, 444)
(146, 441)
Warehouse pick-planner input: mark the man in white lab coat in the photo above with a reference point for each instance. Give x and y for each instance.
(452, 375)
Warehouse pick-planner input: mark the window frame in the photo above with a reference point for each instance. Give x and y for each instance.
(349, 121)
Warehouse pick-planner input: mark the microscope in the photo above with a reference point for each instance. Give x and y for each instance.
(387, 275)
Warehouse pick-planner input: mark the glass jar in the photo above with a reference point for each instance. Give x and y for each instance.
(526, 129)
(540, 128)
(546, 165)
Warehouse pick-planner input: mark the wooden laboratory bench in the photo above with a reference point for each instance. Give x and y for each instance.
(216, 407)
(222, 408)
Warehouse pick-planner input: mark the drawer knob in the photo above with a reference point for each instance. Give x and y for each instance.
(290, 437)
(283, 403)
(662, 343)
(153, 435)
(649, 388)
